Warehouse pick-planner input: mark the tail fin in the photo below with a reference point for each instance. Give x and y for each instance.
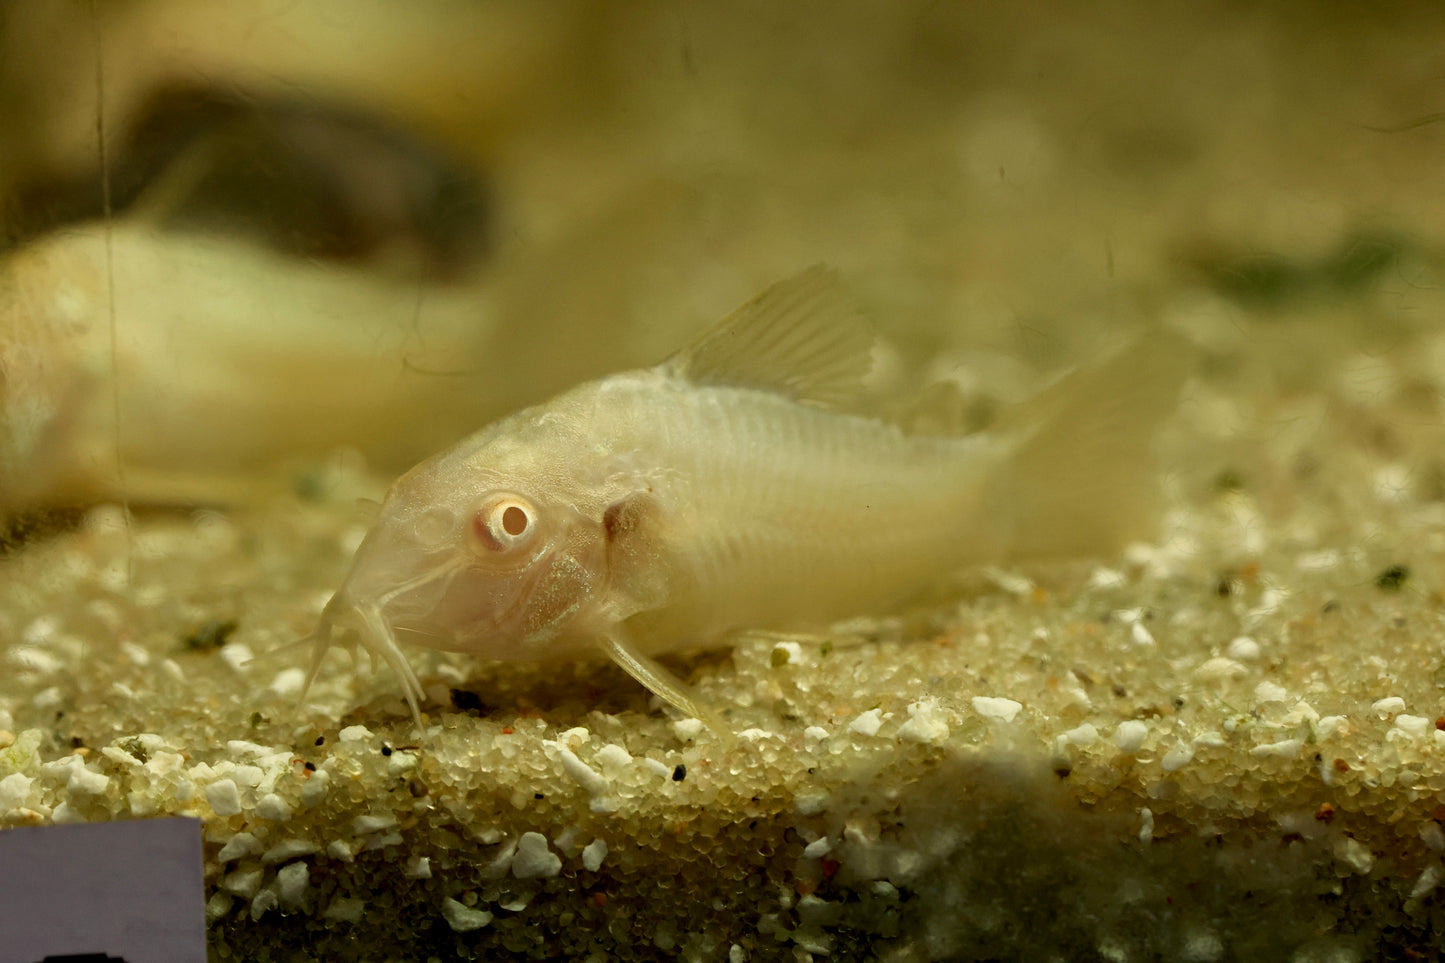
(1078, 476)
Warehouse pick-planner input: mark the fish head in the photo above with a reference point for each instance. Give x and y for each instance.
(497, 562)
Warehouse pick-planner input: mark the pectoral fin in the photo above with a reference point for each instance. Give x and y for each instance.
(660, 682)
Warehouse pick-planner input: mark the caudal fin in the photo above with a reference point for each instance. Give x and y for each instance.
(1079, 476)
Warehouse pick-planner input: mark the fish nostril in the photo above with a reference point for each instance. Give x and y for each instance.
(434, 525)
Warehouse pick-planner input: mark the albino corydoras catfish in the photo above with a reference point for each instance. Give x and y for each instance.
(730, 488)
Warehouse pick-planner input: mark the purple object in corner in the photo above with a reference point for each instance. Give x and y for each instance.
(129, 890)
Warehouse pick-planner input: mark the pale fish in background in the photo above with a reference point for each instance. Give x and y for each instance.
(166, 354)
(227, 362)
(732, 488)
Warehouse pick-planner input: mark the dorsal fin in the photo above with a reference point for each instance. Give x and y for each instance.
(803, 338)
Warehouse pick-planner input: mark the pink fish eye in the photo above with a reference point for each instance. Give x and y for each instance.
(514, 520)
(503, 524)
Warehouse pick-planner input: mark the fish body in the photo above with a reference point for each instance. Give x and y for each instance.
(731, 488)
(767, 513)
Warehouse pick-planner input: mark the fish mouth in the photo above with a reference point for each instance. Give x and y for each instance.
(375, 633)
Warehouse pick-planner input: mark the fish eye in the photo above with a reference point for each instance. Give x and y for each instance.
(515, 520)
(504, 523)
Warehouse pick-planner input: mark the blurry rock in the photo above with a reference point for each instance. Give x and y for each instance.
(458, 71)
(310, 179)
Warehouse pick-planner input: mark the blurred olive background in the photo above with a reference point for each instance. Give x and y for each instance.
(368, 227)
(263, 255)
